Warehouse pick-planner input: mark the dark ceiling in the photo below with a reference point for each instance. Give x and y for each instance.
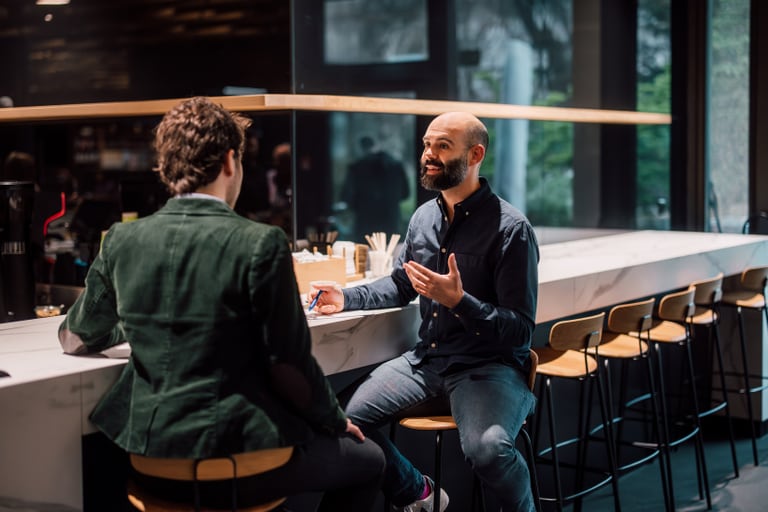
(143, 21)
(96, 50)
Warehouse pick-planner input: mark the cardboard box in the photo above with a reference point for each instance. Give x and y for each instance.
(332, 269)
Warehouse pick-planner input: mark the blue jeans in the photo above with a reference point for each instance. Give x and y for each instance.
(488, 403)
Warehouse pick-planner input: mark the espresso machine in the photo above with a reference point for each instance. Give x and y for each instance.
(17, 282)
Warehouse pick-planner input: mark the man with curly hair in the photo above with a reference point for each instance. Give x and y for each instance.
(220, 348)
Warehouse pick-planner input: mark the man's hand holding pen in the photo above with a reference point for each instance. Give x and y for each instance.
(326, 299)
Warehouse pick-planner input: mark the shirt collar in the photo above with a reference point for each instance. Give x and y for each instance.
(198, 195)
(472, 202)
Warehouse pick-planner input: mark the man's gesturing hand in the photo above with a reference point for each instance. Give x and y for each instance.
(443, 288)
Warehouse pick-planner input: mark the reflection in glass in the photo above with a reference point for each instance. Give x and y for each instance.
(361, 32)
(374, 162)
(522, 56)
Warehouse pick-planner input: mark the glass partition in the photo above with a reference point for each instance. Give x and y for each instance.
(727, 125)
(304, 163)
(654, 65)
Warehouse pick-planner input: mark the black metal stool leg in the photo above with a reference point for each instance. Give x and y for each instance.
(438, 466)
(747, 394)
(530, 456)
(728, 419)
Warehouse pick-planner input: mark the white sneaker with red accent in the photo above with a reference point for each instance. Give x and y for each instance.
(428, 503)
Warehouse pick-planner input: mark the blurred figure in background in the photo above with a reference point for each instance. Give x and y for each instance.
(374, 187)
(279, 188)
(254, 196)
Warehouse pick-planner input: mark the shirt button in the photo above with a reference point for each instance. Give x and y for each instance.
(456, 315)
(477, 333)
(442, 250)
(434, 314)
(433, 345)
(466, 213)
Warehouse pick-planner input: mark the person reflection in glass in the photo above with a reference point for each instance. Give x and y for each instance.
(374, 187)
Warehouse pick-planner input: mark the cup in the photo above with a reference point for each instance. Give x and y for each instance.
(380, 263)
(346, 250)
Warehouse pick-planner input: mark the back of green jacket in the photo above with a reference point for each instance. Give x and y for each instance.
(220, 347)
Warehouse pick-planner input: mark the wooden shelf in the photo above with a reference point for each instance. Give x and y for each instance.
(330, 103)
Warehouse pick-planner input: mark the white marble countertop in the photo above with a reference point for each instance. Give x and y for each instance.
(574, 276)
(30, 350)
(47, 398)
(592, 273)
(576, 258)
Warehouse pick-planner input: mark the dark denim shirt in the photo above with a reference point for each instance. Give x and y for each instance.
(497, 255)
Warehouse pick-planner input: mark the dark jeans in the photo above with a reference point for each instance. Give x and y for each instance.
(488, 403)
(347, 470)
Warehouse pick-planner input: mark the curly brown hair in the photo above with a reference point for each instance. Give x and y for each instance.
(192, 141)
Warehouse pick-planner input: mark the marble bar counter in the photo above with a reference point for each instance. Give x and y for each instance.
(47, 398)
(586, 274)
(45, 403)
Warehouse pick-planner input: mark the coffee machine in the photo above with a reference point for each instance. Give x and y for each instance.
(17, 282)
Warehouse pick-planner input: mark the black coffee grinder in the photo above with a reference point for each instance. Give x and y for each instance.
(17, 282)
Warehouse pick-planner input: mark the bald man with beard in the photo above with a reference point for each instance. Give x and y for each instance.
(471, 258)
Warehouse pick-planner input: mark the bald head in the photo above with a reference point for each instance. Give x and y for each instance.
(454, 148)
(461, 123)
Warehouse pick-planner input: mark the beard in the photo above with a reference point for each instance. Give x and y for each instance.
(452, 174)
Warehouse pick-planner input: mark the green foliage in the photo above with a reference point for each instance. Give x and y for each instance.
(653, 148)
(549, 180)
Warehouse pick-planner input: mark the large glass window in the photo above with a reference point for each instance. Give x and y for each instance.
(505, 52)
(522, 55)
(362, 32)
(727, 148)
(653, 95)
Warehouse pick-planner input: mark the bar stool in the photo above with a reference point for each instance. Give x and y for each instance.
(435, 416)
(566, 357)
(623, 342)
(192, 470)
(672, 328)
(707, 296)
(750, 296)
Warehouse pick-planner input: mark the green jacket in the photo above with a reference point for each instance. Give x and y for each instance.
(220, 348)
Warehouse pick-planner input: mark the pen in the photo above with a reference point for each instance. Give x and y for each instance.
(314, 301)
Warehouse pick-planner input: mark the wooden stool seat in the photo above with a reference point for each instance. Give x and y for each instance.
(664, 331)
(744, 299)
(239, 465)
(704, 316)
(621, 346)
(429, 423)
(568, 364)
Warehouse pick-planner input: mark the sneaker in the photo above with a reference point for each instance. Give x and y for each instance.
(427, 504)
